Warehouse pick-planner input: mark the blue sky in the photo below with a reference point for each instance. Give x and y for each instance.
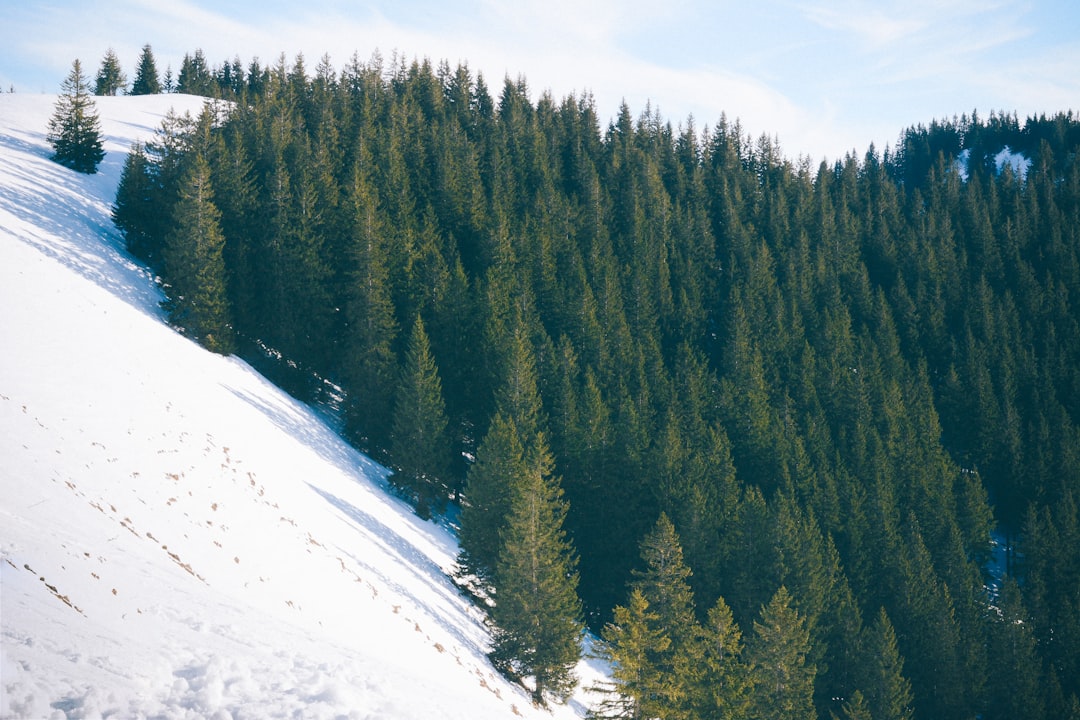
(824, 76)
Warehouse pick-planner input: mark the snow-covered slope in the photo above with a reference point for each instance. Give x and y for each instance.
(179, 538)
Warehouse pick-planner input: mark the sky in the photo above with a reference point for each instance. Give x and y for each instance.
(824, 77)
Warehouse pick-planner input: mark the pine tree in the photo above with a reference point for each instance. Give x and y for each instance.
(629, 642)
(195, 77)
(664, 583)
(855, 708)
(1014, 684)
(134, 203)
(194, 270)
(777, 653)
(536, 620)
(368, 360)
(499, 459)
(420, 449)
(74, 128)
(111, 80)
(722, 686)
(885, 689)
(146, 74)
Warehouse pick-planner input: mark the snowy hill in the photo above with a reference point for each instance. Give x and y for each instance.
(178, 537)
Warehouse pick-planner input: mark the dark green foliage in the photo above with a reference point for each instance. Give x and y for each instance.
(630, 641)
(499, 459)
(1015, 682)
(111, 79)
(420, 447)
(837, 379)
(885, 689)
(536, 621)
(133, 208)
(664, 584)
(195, 76)
(783, 679)
(194, 268)
(146, 80)
(74, 128)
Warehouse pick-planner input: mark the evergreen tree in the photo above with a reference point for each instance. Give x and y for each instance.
(194, 270)
(885, 690)
(420, 450)
(195, 77)
(664, 583)
(368, 360)
(1015, 680)
(783, 680)
(628, 645)
(536, 620)
(146, 75)
(74, 128)
(499, 459)
(110, 78)
(722, 686)
(855, 708)
(134, 204)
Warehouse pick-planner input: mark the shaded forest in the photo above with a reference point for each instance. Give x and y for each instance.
(844, 397)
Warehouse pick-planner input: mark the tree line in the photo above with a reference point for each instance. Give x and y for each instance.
(671, 384)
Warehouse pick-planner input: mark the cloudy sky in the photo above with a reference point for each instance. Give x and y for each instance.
(824, 76)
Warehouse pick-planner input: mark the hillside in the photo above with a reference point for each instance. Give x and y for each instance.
(179, 537)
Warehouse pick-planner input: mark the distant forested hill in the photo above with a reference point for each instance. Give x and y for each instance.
(836, 379)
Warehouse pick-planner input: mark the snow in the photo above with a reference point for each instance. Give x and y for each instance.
(1014, 160)
(961, 163)
(179, 538)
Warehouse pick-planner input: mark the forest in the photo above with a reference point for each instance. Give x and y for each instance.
(795, 440)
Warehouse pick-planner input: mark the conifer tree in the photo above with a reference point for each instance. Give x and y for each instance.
(195, 272)
(74, 128)
(855, 708)
(783, 680)
(885, 689)
(499, 459)
(146, 75)
(1015, 682)
(721, 688)
(536, 620)
(629, 642)
(368, 360)
(195, 77)
(664, 583)
(111, 79)
(134, 204)
(420, 450)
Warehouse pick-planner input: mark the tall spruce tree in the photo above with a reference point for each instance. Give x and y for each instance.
(777, 653)
(499, 459)
(134, 204)
(111, 79)
(420, 448)
(664, 582)
(74, 128)
(885, 689)
(628, 644)
(722, 687)
(537, 625)
(146, 74)
(194, 270)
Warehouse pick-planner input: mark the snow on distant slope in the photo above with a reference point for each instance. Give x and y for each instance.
(178, 537)
(1015, 160)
